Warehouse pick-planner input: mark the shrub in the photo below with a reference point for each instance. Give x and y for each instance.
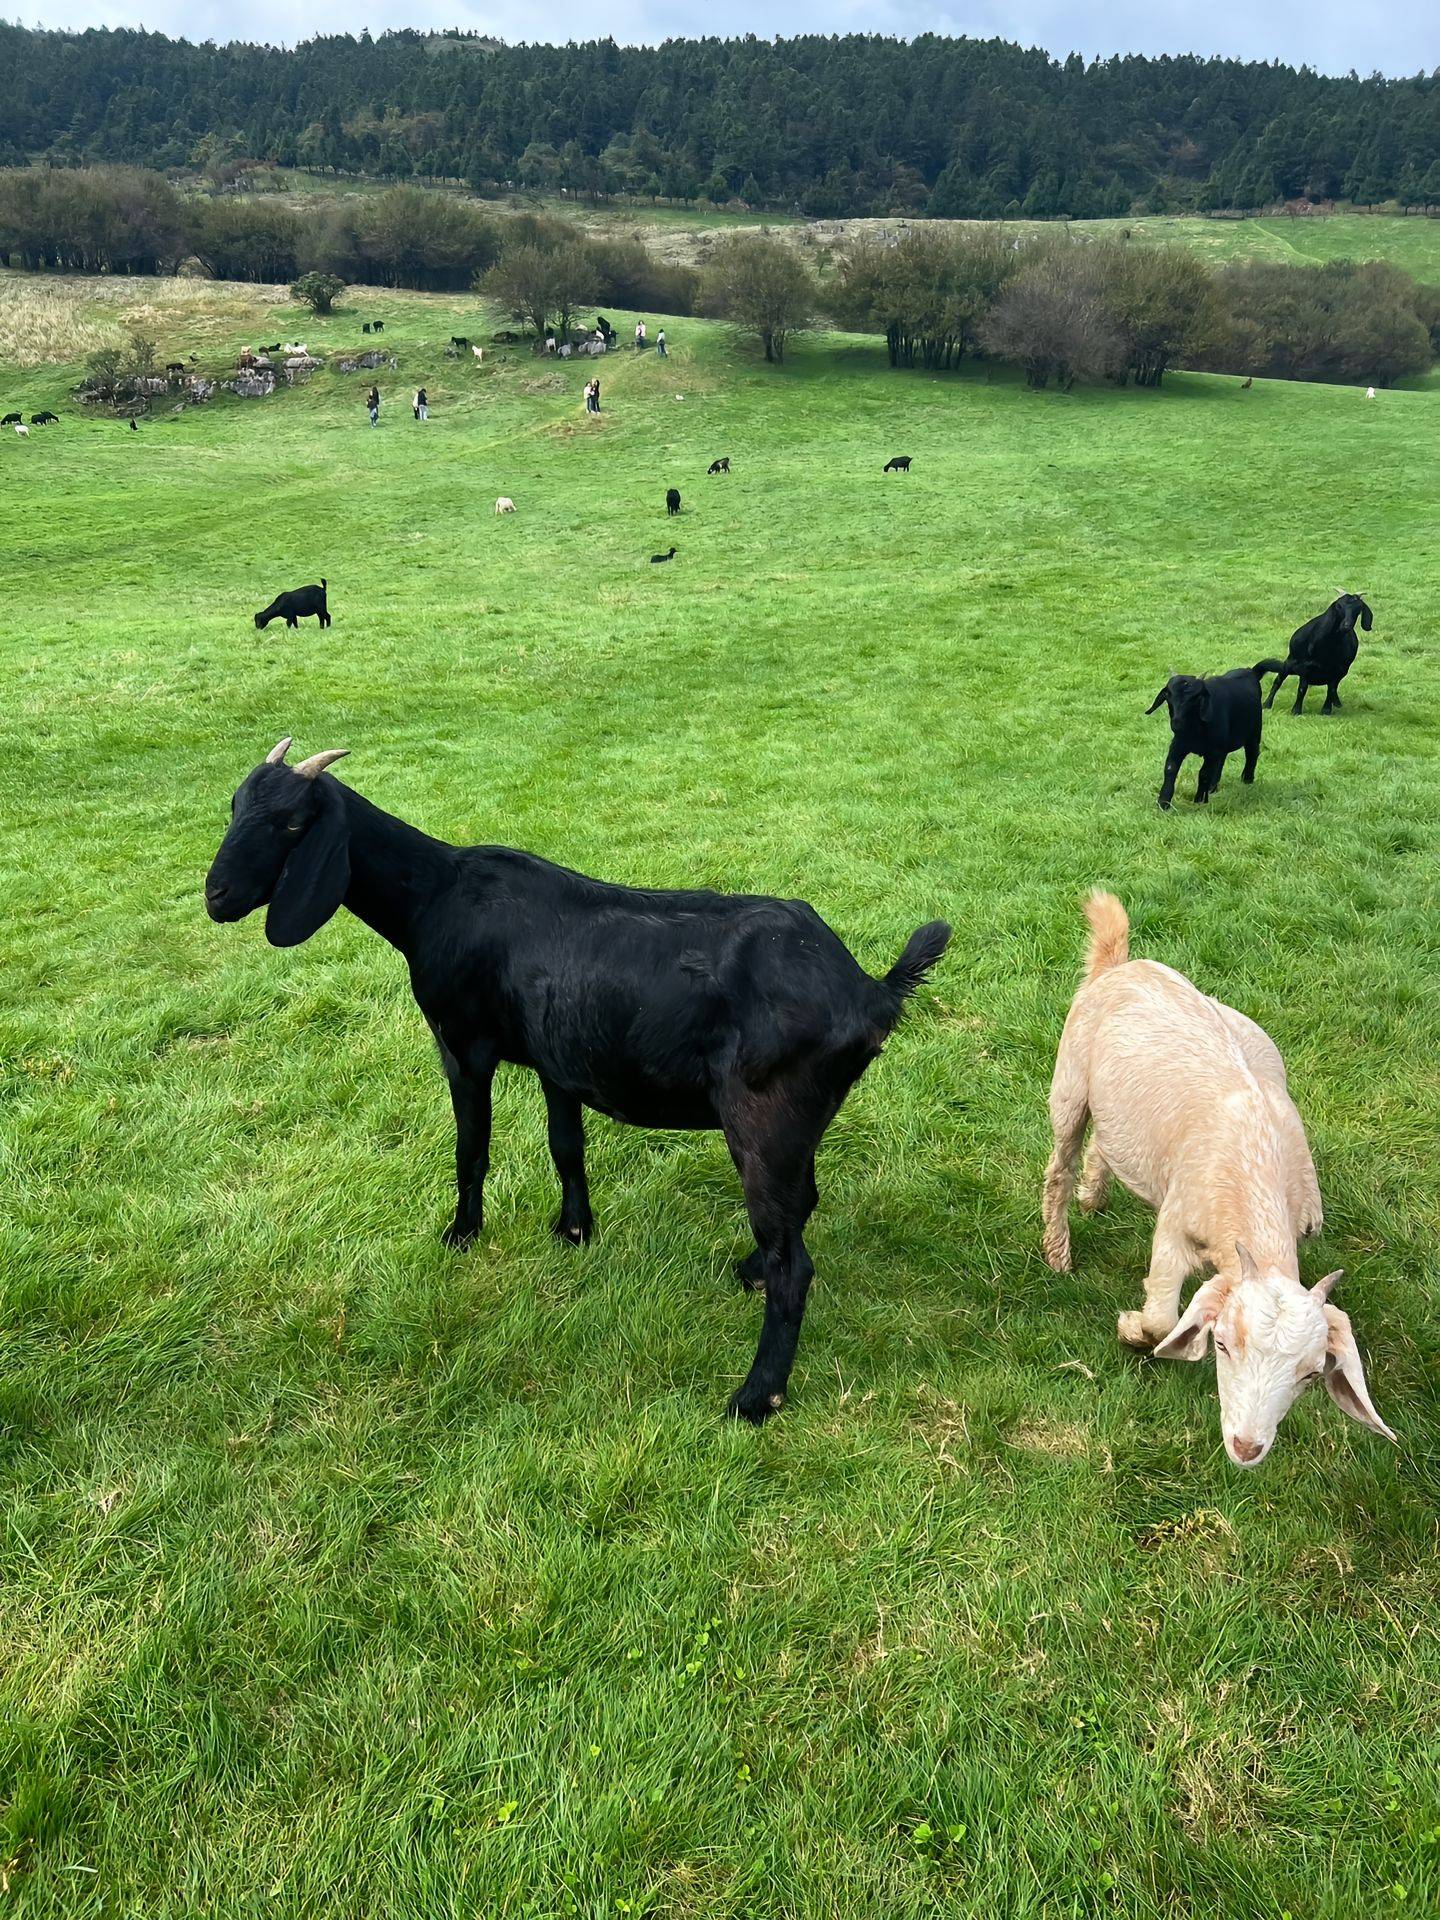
(762, 286)
(318, 291)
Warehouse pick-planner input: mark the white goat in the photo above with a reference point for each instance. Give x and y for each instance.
(479, 352)
(1189, 1108)
(1369, 393)
(24, 432)
(504, 504)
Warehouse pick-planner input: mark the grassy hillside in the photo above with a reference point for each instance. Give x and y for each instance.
(341, 1574)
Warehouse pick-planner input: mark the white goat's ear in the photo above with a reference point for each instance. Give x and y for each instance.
(1345, 1377)
(1321, 1289)
(1190, 1336)
(1248, 1268)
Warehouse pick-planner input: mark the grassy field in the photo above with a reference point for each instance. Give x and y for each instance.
(342, 1575)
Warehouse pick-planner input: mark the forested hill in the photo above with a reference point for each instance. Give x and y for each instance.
(856, 124)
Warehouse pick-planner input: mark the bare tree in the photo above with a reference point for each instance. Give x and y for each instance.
(1053, 319)
(536, 285)
(762, 287)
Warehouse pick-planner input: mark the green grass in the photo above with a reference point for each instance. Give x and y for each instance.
(342, 1575)
(1408, 241)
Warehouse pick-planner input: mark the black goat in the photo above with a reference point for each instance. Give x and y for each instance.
(45, 419)
(900, 464)
(1212, 718)
(377, 326)
(1322, 652)
(12, 420)
(459, 340)
(296, 606)
(672, 500)
(659, 559)
(661, 1009)
(365, 326)
(719, 466)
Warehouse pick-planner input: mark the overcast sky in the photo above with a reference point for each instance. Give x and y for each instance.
(1391, 36)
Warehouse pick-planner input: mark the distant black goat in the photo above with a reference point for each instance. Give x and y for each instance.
(459, 340)
(274, 347)
(1212, 718)
(377, 326)
(659, 559)
(365, 326)
(672, 500)
(1322, 652)
(12, 420)
(658, 1008)
(45, 419)
(719, 466)
(900, 464)
(296, 606)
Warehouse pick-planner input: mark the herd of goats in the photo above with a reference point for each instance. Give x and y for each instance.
(689, 1009)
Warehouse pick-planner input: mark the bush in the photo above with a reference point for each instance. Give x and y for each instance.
(1360, 324)
(240, 240)
(318, 291)
(1054, 320)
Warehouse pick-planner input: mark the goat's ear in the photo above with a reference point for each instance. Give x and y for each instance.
(1367, 619)
(1190, 1336)
(1345, 1377)
(313, 880)
(1162, 698)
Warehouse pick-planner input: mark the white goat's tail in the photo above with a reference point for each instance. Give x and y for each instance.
(1109, 943)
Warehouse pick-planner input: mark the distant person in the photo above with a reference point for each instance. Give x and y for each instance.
(372, 404)
(589, 396)
(421, 404)
(595, 390)
(660, 344)
(639, 335)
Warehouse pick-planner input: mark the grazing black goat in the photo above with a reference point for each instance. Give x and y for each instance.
(296, 606)
(719, 466)
(45, 419)
(365, 326)
(459, 340)
(661, 1009)
(659, 559)
(12, 420)
(377, 326)
(1212, 718)
(1322, 652)
(900, 464)
(672, 500)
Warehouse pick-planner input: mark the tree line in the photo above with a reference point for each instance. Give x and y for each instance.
(836, 125)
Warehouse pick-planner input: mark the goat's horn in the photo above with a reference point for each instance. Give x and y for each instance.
(1248, 1269)
(278, 752)
(317, 763)
(1321, 1289)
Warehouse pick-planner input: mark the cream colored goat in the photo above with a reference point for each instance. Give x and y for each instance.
(1189, 1109)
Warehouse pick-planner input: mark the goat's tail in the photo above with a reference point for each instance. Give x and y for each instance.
(324, 584)
(1268, 666)
(1109, 943)
(922, 950)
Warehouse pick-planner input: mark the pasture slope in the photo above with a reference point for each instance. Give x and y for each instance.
(342, 1575)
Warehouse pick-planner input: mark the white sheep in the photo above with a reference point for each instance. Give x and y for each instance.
(1188, 1106)
(24, 432)
(504, 504)
(1369, 393)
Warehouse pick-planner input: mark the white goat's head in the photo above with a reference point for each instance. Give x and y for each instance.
(1273, 1339)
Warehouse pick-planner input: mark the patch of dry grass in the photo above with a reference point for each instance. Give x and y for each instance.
(51, 319)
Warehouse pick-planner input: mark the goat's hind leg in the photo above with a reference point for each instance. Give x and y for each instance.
(1094, 1180)
(750, 1271)
(774, 1150)
(1069, 1110)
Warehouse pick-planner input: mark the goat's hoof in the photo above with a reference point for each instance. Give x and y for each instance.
(1164, 806)
(1131, 1330)
(573, 1232)
(750, 1272)
(755, 1405)
(1056, 1250)
(457, 1238)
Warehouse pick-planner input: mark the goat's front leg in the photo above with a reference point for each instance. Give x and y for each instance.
(1170, 1261)
(470, 1085)
(1174, 760)
(575, 1222)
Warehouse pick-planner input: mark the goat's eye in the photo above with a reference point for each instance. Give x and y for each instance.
(294, 826)
(1220, 1347)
